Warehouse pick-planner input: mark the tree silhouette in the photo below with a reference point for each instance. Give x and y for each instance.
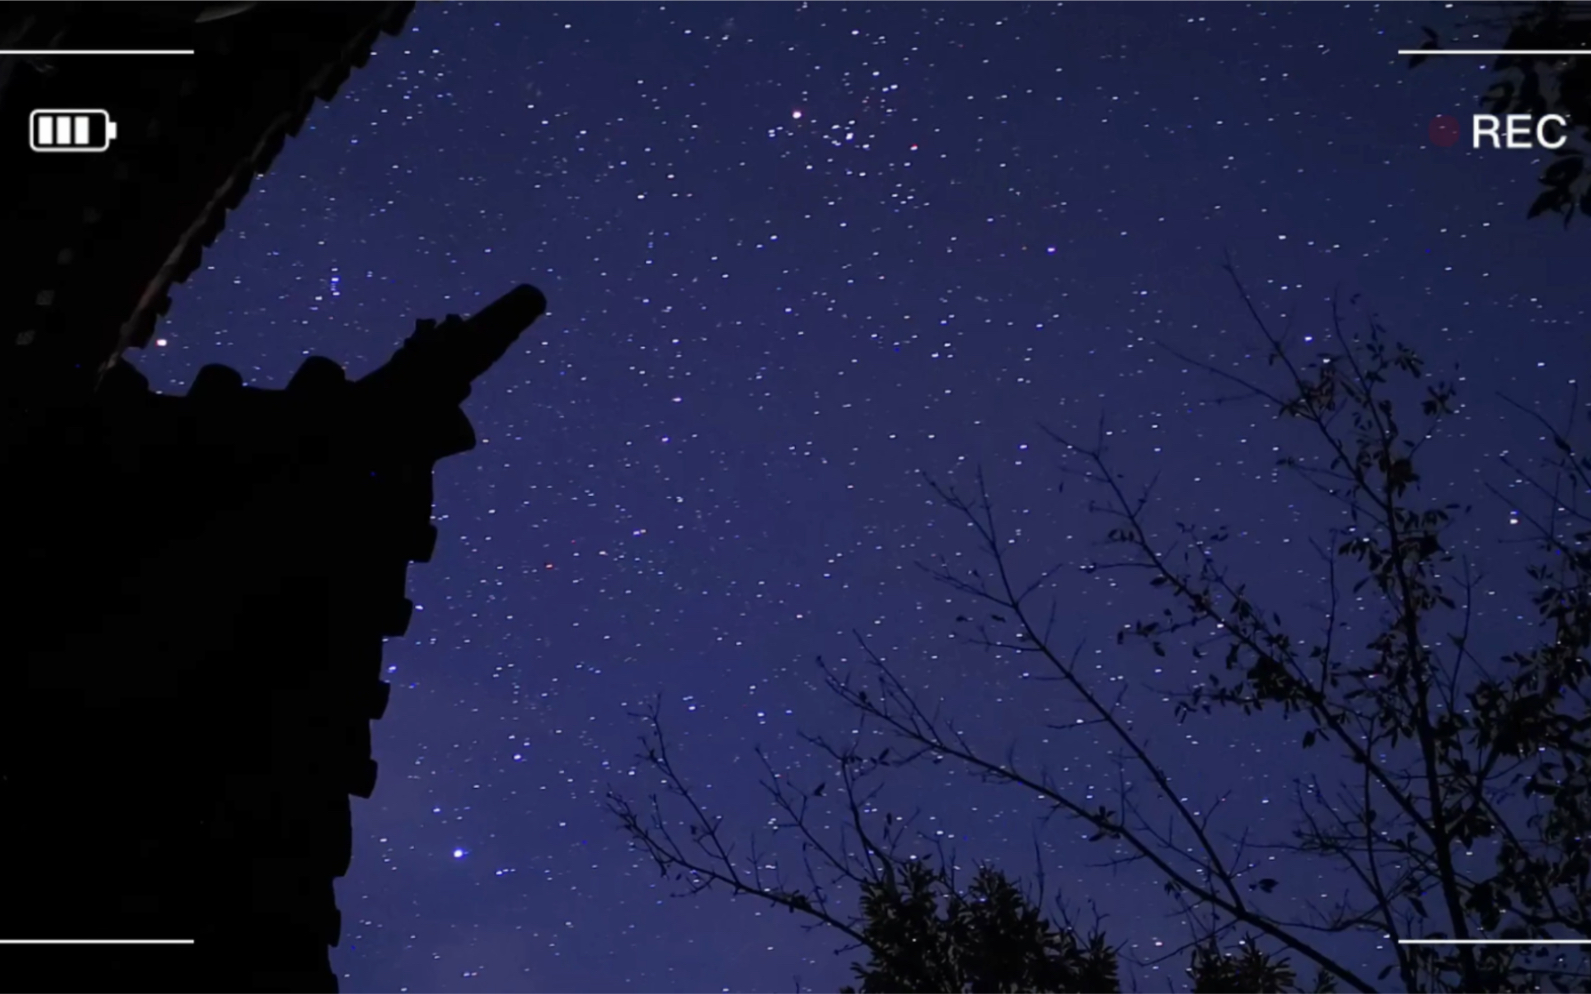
(988, 939)
(922, 933)
(1541, 84)
(1249, 971)
(1450, 792)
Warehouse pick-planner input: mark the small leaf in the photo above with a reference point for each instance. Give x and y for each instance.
(1309, 738)
(1563, 171)
(1549, 200)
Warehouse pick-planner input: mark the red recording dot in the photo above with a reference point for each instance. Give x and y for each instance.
(1445, 130)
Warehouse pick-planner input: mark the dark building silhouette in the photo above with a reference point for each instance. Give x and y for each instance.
(191, 651)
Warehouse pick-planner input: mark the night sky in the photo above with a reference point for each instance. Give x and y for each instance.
(796, 254)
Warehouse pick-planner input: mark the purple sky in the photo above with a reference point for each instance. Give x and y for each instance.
(795, 254)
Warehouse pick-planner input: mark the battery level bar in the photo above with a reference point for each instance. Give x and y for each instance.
(70, 130)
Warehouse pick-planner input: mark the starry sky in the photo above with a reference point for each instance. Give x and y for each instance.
(795, 255)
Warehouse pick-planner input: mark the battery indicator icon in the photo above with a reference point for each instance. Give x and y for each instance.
(70, 130)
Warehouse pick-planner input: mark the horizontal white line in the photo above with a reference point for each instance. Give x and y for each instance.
(96, 51)
(1494, 942)
(96, 942)
(1494, 51)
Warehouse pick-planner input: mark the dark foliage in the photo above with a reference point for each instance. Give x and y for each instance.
(1247, 971)
(926, 937)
